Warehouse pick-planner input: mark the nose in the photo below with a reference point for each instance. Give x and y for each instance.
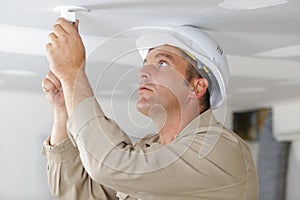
(145, 72)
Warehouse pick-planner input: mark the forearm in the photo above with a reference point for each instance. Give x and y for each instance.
(76, 89)
(59, 128)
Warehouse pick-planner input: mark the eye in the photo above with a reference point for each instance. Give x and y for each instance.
(163, 63)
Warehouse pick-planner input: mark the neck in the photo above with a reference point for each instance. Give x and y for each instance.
(168, 131)
(170, 124)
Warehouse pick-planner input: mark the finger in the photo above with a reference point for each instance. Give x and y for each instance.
(59, 31)
(51, 76)
(48, 46)
(76, 25)
(67, 26)
(48, 86)
(52, 38)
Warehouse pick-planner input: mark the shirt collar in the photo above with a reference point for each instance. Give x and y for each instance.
(199, 124)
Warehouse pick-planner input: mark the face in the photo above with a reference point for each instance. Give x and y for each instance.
(162, 81)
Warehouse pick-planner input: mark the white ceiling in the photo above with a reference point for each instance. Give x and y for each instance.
(263, 44)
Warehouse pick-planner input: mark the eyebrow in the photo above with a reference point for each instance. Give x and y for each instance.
(170, 57)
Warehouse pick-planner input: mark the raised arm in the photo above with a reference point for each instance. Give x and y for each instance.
(53, 91)
(66, 56)
(66, 175)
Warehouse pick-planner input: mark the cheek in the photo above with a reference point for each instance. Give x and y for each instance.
(174, 93)
(175, 84)
(168, 78)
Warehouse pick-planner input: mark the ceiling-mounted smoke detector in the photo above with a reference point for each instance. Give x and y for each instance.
(250, 4)
(69, 12)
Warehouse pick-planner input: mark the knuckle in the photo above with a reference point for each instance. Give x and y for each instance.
(48, 75)
(48, 46)
(58, 20)
(43, 83)
(50, 35)
(55, 26)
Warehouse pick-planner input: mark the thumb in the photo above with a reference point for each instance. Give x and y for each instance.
(76, 25)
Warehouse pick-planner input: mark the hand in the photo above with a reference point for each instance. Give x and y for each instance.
(53, 90)
(65, 50)
(54, 93)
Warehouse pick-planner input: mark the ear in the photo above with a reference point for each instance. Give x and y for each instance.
(199, 87)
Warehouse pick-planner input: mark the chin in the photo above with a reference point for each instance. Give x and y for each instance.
(142, 108)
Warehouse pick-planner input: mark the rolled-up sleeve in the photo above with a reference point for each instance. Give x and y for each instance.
(67, 177)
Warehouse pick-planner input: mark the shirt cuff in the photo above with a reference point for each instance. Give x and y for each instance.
(85, 111)
(62, 152)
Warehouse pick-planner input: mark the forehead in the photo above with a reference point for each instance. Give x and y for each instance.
(167, 49)
(174, 54)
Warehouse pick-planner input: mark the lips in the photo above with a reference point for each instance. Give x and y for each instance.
(144, 87)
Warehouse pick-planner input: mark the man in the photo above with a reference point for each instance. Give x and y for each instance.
(192, 157)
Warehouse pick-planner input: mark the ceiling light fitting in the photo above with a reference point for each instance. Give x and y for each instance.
(69, 12)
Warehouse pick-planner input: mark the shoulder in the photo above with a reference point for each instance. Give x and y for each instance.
(215, 142)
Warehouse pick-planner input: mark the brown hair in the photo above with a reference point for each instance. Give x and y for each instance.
(191, 72)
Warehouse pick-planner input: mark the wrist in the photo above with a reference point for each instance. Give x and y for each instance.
(60, 115)
(69, 77)
(59, 127)
(76, 88)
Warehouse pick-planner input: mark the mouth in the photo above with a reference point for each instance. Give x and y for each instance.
(145, 88)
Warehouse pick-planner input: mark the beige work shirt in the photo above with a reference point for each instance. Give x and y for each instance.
(98, 161)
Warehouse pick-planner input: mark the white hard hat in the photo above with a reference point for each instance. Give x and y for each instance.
(199, 45)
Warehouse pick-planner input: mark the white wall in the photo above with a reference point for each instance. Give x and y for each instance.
(25, 120)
